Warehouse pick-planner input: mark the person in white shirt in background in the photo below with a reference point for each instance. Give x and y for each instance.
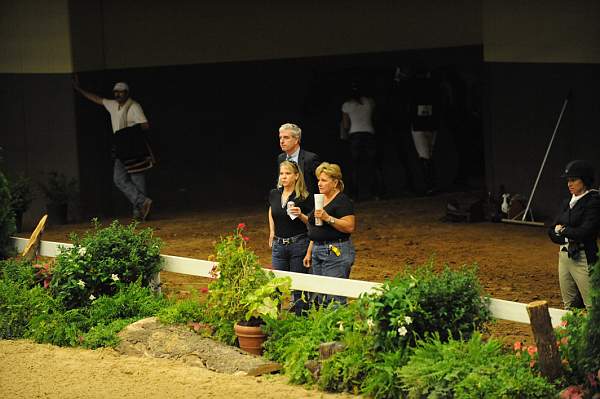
(124, 112)
(358, 126)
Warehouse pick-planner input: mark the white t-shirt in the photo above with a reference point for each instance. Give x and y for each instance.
(119, 120)
(361, 115)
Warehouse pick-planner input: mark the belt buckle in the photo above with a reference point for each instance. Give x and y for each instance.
(286, 241)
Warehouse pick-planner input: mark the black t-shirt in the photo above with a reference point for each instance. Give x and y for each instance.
(339, 207)
(284, 226)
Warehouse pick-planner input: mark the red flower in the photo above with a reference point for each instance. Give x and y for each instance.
(246, 238)
(203, 290)
(241, 226)
(572, 392)
(517, 345)
(531, 350)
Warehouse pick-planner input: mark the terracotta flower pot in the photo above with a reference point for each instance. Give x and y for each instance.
(250, 338)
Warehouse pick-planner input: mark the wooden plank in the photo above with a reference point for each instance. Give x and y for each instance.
(329, 285)
(33, 243)
(192, 267)
(545, 340)
(515, 311)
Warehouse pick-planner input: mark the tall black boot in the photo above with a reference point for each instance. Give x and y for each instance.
(428, 174)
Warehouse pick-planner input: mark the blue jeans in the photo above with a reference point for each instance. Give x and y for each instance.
(132, 185)
(326, 263)
(289, 258)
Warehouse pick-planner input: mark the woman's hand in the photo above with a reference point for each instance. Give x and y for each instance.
(307, 260)
(321, 214)
(271, 235)
(295, 210)
(559, 228)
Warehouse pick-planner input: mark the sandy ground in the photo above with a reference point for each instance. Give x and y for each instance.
(29, 370)
(516, 263)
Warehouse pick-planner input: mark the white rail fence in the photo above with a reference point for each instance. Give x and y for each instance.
(500, 309)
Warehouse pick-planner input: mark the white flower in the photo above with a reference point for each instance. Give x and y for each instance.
(114, 277)
(370, 323)
(402, 331)
(81, 283)
(341, 326)
(92, 297)
(408, 319)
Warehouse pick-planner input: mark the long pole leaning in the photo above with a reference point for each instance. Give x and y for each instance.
(537, 179)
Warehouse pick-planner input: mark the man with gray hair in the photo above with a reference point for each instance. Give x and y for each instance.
(128, 124)
(290, 135)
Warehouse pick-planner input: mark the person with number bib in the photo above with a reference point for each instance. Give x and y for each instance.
(330, 252)
(288, 206)
(575, 229)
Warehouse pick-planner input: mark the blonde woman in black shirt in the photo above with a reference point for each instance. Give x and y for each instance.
(331, 252)
(288, 240)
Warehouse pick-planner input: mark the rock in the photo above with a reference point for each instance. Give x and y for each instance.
(149, 338)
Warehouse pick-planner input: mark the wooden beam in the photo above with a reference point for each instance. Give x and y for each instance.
(32, 247)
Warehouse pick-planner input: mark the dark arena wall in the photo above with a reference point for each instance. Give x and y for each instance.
(216, 81)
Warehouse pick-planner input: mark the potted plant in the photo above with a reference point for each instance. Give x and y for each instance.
(263, 303)
(59, 192)
(242, 292)
(21, 196)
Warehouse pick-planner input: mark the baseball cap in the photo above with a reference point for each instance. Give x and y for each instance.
(121, 86)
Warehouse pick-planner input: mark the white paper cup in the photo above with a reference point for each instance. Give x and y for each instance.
(319, 199)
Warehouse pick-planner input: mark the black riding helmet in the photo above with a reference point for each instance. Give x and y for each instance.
(581, 169)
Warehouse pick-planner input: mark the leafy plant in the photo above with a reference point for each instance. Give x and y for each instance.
(105, 335)
(469, 369)
(293, 340)
(346, 370)
(265, 301)
(419, 302)
(59, 189)
(7, 219)
(96, 263)
(21, 193)
(19, 271)
(183, 311)
(19, 304)
(97, 324)
(239, 278)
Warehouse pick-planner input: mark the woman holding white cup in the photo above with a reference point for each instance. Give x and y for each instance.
(288, 239)
(330, 252)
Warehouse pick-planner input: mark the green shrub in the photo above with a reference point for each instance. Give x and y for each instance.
(7, 220)
(420, 302)
(58, 326)
(19, 271)
(19, 304)
(469, 369)
(383, 380)
(293, 340)
(182, 312)
(105, 334)
(592, 328)
(346, 370)
(99, 261)
(21, 193)
(131, 302)
(97, 324)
